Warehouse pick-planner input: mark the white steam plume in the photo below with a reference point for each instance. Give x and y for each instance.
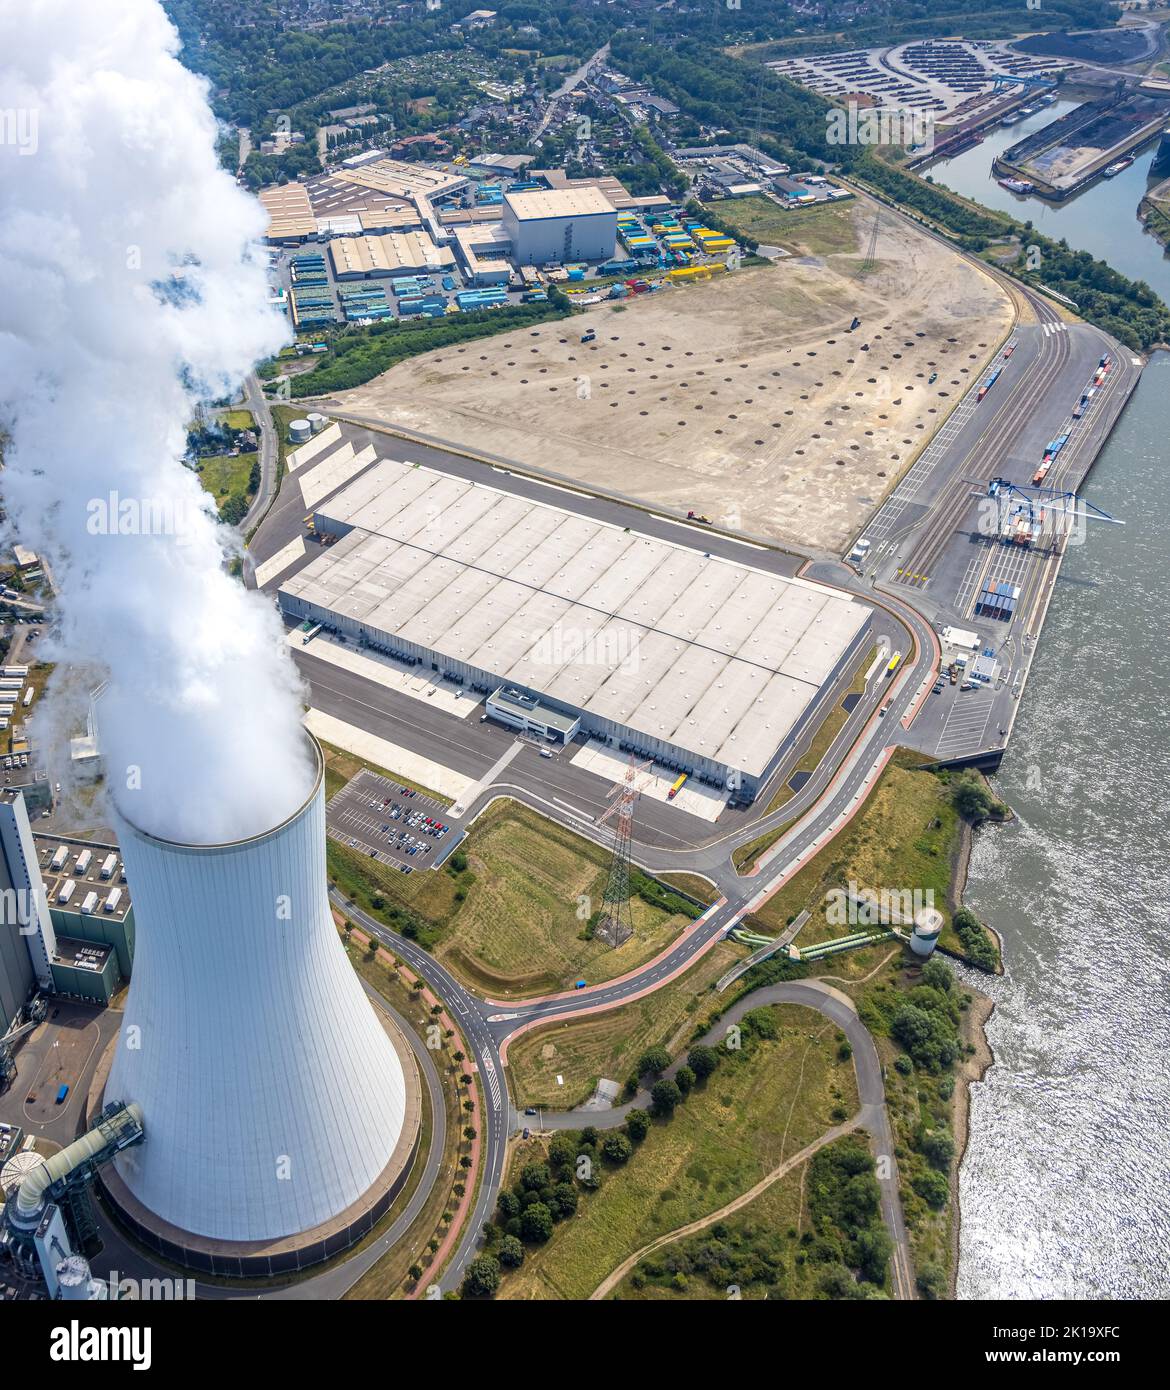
(130, 289)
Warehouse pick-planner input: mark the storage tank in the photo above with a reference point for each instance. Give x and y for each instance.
(317, 422)
(299, 431)
(293, 1096)
(16, 1170)
(928, 923)
(75, 1283)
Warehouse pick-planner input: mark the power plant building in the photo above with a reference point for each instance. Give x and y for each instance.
(569, 623)
(560, 224)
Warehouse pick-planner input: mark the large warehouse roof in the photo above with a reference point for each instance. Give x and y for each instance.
(558, 202)
(383, 255)
(715, 657)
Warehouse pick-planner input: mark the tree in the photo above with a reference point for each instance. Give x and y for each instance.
(684, 1079)
(938, 975)
(637, 1125)
(933, 1188)
(874, 1248)
(702, 1061)
(482, 1278)
(938, 1148)
(932, 1282)
(511, 1252)
(507, 1204)
(561, 1152)
(665, 1096)
(534, 1176)
(617, 1149)
(536, 1225)
(653, 1062)
(415, 1272)
(563, 1201)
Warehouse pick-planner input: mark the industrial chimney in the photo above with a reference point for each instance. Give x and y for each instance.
(273, 1096)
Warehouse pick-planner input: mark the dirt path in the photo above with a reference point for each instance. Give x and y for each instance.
(611, 1281)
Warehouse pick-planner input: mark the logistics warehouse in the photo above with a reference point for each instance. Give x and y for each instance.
(705, 665)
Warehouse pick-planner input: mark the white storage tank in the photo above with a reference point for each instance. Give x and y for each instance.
(299, 431)
(928, 924)
(317, 422)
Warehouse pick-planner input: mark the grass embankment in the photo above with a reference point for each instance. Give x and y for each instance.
(697, 887)
(391, 1276)
(830, 726)
(906, 839)
(511, 912)
(609, 1044)
(759, 1107)
(824, 230)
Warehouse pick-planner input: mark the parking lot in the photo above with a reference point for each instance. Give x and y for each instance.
(391, 823)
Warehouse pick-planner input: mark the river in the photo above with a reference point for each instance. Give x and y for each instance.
(1063, 1188)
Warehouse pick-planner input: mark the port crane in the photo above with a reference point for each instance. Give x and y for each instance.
(1023, 510)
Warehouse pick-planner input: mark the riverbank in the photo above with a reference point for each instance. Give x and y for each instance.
(974, 1069)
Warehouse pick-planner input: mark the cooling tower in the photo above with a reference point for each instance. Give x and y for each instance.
(273, 1098)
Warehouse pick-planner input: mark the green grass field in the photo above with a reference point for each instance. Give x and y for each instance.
(512, 922)
(226, 477)
(608, 1045)
(906, 836)
(758, 1108)
(813, 231)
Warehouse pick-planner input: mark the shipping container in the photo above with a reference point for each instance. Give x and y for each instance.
(109, 864)
(113, 898)
(89, 902)
(84, 859)
(58, 860)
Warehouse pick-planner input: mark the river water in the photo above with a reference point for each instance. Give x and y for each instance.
(1064, 1186)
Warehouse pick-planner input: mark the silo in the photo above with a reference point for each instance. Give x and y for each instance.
(272, 1096)
(299, 431)
(928, 923)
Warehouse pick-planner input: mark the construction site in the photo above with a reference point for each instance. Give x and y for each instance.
(783, 401)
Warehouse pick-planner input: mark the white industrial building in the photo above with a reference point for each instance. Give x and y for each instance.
(560, 224)
(568, 623)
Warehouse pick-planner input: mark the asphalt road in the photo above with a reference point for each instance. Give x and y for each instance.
(257, 403)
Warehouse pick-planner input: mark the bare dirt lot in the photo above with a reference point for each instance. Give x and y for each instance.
(744, 398)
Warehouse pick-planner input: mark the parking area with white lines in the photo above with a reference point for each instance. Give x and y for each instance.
(966, 723)
(391, 823)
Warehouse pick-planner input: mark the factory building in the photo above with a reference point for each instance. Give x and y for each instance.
(561, 224)
(395, 253)
(570, 624)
